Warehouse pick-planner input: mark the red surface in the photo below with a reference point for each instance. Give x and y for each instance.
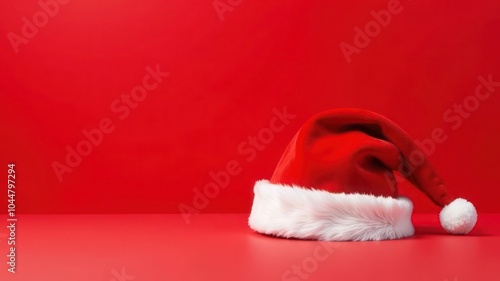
(226, 77)
(222, 247)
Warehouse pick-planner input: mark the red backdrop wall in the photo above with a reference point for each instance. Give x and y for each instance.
(163, 95)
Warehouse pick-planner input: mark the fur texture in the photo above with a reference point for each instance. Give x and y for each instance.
(298, 212)
(458, 217)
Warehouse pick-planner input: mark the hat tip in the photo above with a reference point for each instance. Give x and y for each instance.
(458, 217)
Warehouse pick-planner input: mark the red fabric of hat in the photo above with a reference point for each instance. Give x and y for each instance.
(335, 182)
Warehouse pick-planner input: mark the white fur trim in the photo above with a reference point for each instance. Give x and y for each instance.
(458, 217)
(298, 212)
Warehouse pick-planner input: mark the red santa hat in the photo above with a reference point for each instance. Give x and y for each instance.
(335, 182)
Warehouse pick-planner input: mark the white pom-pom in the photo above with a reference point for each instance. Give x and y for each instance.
(458, 217)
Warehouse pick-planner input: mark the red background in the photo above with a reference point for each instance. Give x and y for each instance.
(225, 79)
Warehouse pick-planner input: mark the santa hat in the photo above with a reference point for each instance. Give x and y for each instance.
(335, 182)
